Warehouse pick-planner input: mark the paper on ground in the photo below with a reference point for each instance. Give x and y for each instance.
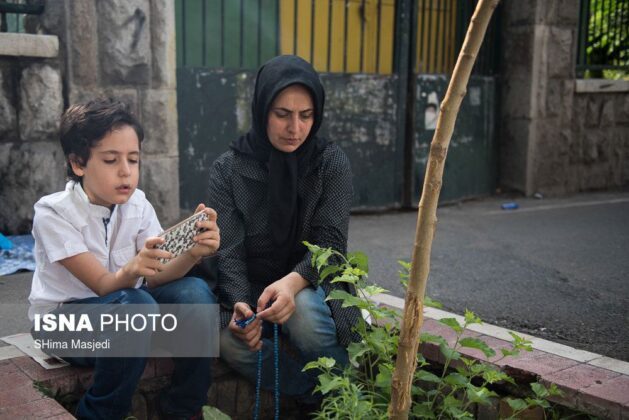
(25, 343)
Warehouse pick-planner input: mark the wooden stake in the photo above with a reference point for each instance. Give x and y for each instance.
(427, 213)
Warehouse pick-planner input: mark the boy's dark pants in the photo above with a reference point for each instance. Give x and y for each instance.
(115, 379)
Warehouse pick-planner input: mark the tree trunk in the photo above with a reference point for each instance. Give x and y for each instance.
(427, 213)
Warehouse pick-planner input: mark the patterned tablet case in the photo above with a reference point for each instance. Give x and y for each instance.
(179, 237)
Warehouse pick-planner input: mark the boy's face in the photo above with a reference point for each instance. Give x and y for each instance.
(111, 173)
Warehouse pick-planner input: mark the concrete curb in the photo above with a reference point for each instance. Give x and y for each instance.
(591, 383)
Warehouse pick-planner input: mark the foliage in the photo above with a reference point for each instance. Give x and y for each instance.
(213, 413)
(68, 400)
(363, 389)
(607, 37)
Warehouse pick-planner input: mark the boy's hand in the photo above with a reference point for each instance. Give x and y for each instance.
(251, 335)
(146, 263)
(207, 242)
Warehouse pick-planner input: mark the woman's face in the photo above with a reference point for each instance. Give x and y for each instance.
(290, 118)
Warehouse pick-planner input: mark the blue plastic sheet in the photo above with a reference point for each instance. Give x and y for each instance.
(20, 257)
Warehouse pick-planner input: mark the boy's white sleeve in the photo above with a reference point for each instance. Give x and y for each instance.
(149, 226)
(57, 237)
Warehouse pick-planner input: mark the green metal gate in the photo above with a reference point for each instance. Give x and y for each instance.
(384, 64)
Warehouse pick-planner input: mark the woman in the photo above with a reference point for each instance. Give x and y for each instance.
(280, 185)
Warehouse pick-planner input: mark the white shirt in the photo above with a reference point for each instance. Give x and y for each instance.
(67, 224)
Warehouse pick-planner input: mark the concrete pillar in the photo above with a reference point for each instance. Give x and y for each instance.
(539, 59)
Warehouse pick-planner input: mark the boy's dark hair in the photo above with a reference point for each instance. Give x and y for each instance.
(84, 125)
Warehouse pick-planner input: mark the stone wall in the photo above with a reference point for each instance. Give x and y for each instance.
(554, 139)
(599, 147)
(31, 161)
(120, 49)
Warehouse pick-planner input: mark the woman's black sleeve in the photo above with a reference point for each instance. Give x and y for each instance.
(330, 222)
(233, 284)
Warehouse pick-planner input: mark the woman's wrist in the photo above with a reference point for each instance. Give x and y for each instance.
(296, 281)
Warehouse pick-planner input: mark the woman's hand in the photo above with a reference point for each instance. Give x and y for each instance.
(207, 242)
(282, 294)
(251, 335)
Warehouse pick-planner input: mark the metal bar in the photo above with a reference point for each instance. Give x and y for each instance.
(362, 32)
(422, 41)
(295, 13)
(184, 30)
(626, 33)
(609, 10)
(591, 27)
(259, 58)
(28, 9)
(378, 36)
(583, 13)
(277, 27)
(312, 24)
(242, 33)
(222, 33)
(411, 100)
(452, 43)
(617, 29)
(400, 186)
(437, 36)
(445, 36)
(600, 26)
(429, 68)
(412, 51)
(330, 10)
(611, 6)
(480, 62)
(444, 39)
(204, 34)
(345, 36)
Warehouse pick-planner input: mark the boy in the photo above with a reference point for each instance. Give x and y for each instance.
(95, 243)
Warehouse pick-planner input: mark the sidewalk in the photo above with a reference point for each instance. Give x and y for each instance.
(555, 269)
(590, 382)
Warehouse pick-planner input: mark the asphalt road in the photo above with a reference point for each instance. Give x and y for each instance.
(554, 268)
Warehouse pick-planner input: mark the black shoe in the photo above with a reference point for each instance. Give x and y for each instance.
(164, 415)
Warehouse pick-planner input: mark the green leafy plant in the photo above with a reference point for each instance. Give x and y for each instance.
(363, 389)
(607, 38)
(213, 413)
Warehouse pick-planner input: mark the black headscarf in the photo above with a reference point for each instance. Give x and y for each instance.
(284, 168)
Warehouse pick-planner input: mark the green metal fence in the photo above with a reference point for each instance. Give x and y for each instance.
(336, 36)
(441, 27)
(386, 68)
(603, 50)
(12, 14)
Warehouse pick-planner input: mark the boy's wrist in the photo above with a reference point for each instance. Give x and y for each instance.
(191, 254)
(123, 274)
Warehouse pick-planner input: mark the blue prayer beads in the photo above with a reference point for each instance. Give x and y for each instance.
(242, 323)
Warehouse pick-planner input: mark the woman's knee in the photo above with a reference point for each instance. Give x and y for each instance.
(233, 350)
(311, 325)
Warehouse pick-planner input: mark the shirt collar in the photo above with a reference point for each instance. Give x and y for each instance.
(92, 209)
